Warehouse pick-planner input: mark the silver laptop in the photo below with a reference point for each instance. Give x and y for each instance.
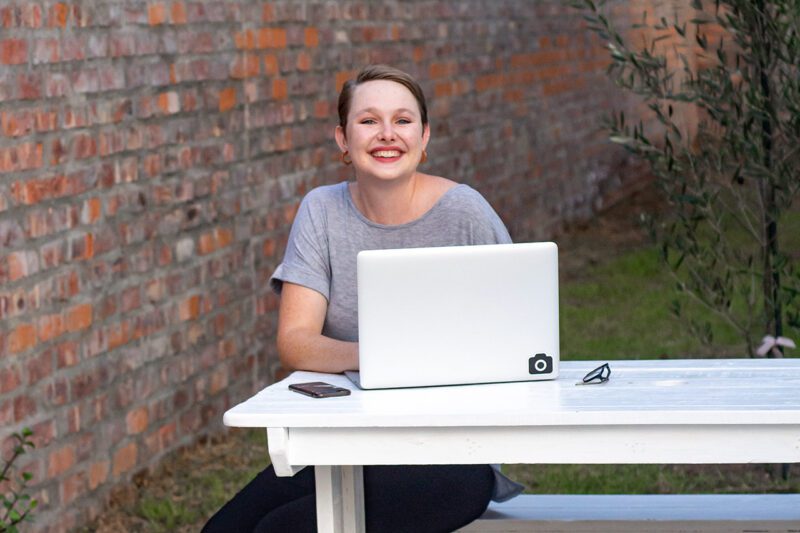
(457, 315)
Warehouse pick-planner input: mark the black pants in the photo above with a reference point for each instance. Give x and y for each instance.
(433, 498)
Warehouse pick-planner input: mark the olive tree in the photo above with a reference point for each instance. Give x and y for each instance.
(731, 172)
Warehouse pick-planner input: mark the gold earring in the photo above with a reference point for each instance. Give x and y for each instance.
(424, 157)
(346, 160)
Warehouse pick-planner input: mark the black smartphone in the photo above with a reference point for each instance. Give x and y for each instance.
(319, 389)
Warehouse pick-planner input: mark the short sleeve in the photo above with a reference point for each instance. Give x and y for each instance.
(307, 259)
(487, 227)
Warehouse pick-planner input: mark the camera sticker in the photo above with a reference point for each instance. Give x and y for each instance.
(540, 364)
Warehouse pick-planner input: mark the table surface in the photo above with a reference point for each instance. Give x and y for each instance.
(653, 392)
(665, 411)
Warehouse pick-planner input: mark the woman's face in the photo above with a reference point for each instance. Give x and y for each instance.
(384, 135)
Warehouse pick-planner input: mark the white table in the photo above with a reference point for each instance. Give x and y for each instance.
(662, 411)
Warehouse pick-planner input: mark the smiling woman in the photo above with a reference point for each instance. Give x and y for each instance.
(383, 132)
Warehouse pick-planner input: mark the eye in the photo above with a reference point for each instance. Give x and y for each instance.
(367, 121)
(404, 121)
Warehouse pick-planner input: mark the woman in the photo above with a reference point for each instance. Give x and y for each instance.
(383, 133)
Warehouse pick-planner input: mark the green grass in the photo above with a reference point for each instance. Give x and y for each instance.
(651, 479)
(164, 514)
(621, 310)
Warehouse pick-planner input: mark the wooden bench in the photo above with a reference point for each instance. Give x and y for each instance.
(657, 412)
(637, 513)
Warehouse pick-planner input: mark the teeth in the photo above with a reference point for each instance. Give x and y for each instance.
(386, 153)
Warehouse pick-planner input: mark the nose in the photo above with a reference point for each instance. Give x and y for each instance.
(386, 132)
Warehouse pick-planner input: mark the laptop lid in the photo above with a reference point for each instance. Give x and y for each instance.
(458, 315)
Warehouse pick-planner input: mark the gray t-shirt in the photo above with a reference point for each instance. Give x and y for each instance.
(329, 231)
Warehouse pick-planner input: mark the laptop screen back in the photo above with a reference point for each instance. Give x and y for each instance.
(458, 315)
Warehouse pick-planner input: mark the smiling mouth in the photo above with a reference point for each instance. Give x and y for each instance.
(386, 154)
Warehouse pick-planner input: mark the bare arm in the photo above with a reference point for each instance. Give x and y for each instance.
(301, 345)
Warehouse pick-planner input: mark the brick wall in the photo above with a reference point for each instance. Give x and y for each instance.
(152, 157)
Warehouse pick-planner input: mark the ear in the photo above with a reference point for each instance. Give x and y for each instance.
(341, 139)
(426, 135)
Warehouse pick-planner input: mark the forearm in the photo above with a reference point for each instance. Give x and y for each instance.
(302, 350)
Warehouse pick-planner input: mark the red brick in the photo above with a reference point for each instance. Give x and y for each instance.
(227, 99)
(53, 253)
(13, 51)
(67, 354)
(279, 89)
(9, 380)
(559, 87)
(73, 417)
(40, 367)
(311, 37)
(441, 70)
(84, 146)
(245, 66)
(86, 384)
(156, 14)
(8, 17)
(24, 156)
(58, 392)
(268, 248)
(219, 380)
(271, 67)
(119, 334)
(131, 299)
(57, 16)
(245, 40)
(98, 474)
(50, 327)
(489, 82)
(6, 413)
(303, 61)
(24, 408)
(73, 487)
(60, 461)
(169, 102)
(21, 264)
(178, 13)
(15, 125)
(37, 190)
(22, 338)
(43, 433)
(125, 459)
(342, 77)
(271, 38)
(79, 317)
(91, 210)
(29, 85)
(189, 309)
(137, 420)
(82, 247)
(46, 51)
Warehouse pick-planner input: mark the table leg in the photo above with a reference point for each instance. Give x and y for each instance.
(340, 499)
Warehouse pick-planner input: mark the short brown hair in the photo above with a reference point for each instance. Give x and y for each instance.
(380, 72)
